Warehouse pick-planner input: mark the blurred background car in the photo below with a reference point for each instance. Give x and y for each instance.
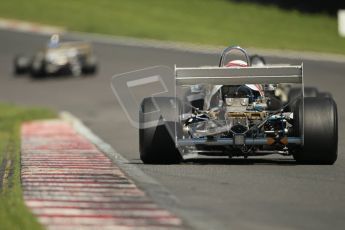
(58, 58)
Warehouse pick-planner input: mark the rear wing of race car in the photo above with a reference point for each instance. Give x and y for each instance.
(239, 75)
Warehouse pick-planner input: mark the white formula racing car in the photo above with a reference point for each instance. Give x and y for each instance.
(239, 110)
(58, 58)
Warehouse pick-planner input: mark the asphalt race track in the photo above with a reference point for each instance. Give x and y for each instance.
(267, 193)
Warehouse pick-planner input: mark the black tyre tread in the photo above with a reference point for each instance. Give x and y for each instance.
(296, 93)
(20, 69)
(155, 143)
(39, 72)
(90, 66)
(325, 94)
(320, 131)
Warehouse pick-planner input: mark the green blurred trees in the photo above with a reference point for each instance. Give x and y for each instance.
(329, 7)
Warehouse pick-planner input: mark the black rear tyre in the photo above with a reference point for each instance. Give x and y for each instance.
(325, 94)
(37, 69)
(296, 93)
(21, 65)
(90, 66)
(320, 130)
(156, 144)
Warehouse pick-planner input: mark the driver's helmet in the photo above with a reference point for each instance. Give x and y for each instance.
(236, 63)
(240, 63)
(54, 41)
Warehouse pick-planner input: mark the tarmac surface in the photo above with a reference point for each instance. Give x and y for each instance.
(265, 193)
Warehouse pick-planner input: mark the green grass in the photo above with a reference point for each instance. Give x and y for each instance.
(13, 212)
(215, 22)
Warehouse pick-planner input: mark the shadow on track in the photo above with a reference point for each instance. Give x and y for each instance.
(232, 161)
(241, 161)
(52, 77)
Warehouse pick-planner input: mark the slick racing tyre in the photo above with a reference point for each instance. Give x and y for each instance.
(21, 65)
(37, 70)
(296, 93)
(38, 66)
(320, 130)
(156, 143)
(324, 94)
(90, 66)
